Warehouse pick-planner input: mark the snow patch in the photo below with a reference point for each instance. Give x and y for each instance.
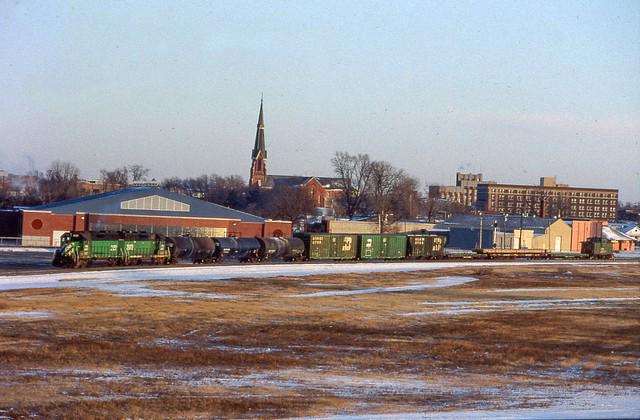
(585, 405)
(464, 307)
(99, 278)
(23, 314)
(562, 289)
(438, 282)
(627, 254)
(26, 249)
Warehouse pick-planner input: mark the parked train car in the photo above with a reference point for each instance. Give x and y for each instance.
(382, 247)
(225, 248)
(426, 246)
(597, 248)
(81, 249)
(329, 246)
(497, 253)
(199, 250)
(294, 249)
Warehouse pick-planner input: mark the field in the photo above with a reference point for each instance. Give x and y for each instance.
(350, 340)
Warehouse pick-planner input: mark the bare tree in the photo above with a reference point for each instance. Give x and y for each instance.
(196, 187)
(289, 203)
(431, 207)
(59, 182)
(406, 199)
(230, 191)
(138, 172)
(173, 184)
(383, 183)
(354, 172)
(115, 179)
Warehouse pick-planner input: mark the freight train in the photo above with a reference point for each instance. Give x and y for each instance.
(82, 248)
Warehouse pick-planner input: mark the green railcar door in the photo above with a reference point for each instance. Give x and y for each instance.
(368, 247)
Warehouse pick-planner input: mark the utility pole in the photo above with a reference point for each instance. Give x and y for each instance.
(504, 232)
(480, 230)
(520, 236)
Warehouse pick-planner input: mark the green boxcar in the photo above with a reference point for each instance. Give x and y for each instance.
(329, 246)
(382, 247)
(425, 246)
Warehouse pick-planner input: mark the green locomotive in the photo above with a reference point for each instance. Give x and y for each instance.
(597, 248)
(80, 249)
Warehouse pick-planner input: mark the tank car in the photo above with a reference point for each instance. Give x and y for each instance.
(294, 250)
(225, 247)
(204, 250)
(181, 248)
(248, 250)
(272, 248)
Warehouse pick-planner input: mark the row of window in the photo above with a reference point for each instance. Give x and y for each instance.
(554, 199)
(556, 193)
(166, 230)
(155, 202)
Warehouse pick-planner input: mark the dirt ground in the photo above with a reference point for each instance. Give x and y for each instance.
(433, 341)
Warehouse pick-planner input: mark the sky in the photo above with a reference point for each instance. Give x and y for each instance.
(513, 89)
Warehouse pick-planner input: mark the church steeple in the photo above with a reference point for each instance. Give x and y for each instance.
(258, 174)
(259, 145)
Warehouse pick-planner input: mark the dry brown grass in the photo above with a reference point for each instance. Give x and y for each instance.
(265, 331)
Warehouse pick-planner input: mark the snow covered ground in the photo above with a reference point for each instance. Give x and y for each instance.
(26, 249)
(116, 280)
(446, 281)
(25, 314)
(582, 405)
(478, 398)
(628, 254)
(459, 308)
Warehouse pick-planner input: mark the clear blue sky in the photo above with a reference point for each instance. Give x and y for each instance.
(513, 89)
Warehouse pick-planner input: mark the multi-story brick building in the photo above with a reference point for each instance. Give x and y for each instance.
(549, 199)
(464, 192)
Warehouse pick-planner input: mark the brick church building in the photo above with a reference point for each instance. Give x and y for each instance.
(324, 191)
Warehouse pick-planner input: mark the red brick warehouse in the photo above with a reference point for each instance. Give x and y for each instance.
(143, 209)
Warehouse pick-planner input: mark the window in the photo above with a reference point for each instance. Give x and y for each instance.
(154, 203)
